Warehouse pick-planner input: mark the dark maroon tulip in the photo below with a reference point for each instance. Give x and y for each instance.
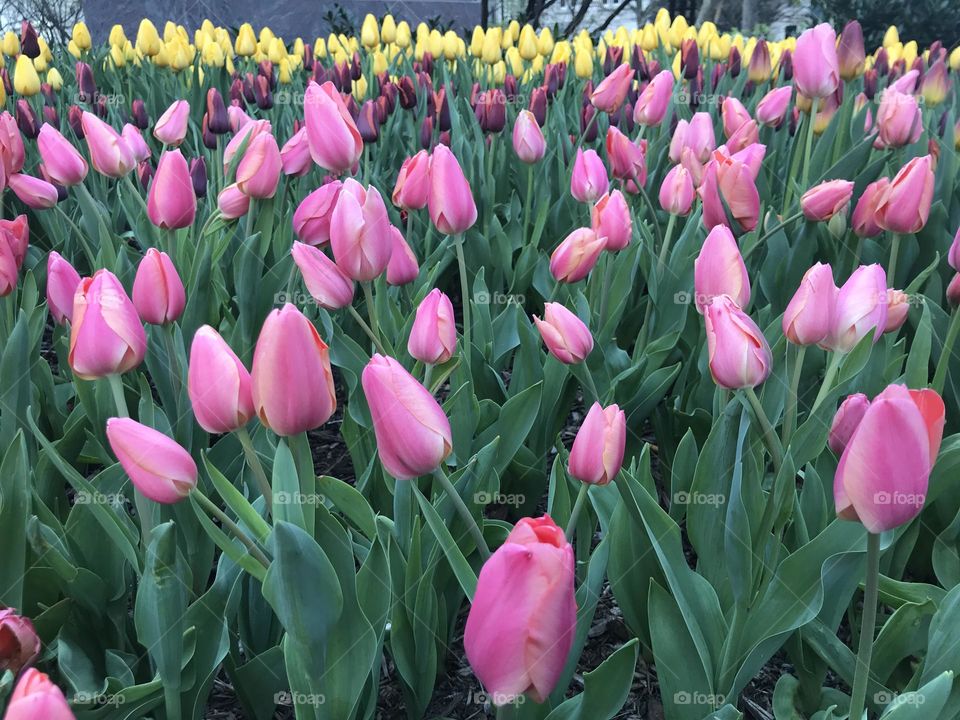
(627, 124)
(50, 116)
(696, 91)
(388, 91)
(427, 63)
(510, 87)
(144, 173)
(426, 133)
(356, 68)
(138, 115)
(218, 121)
(320, 74)
(100, 107)
(538, 105)
(551, 80)
(786, 66)
(717, 74)
(261, 91)
(734, 62)
(209, 139)
(587, 91)
(493, 117)
(74, 114)
(265, 69)
(198, 175)
(236, 93)
(308, 57)
(588, 128)
(382, 106)
(86, 87)
(690, 58)
(352, 107)
(638, 61)
(882, 62)
(61, 190)
(870, 83)
(367, 123)
(921, 69)
(248, 93)
(443, 110)
(406, 92)
(7, 85)
(425, 81)
(49, 94)
(27, 119)
(29, 41)
(612, 59)
(942, 124)
(444, 138)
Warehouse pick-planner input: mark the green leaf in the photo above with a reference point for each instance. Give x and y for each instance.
(14, 511)
(351, 503)
(605, 689)
(287, 496)
(235, 500)
(923, 704)
(458, 563)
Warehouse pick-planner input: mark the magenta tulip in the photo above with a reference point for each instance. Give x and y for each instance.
(433, 337)
(12, 152)
(528, 141)
(739, 355)
(576, 255)
(697, 135)
(899, 120)
(589, 179)
(359, 232)
(846, 420)
(35, 696)
(612, 90)
(232, 202)
(158, 292)
(823, 201)
(32, 191)
(953, 255)
(627, 159)
(898, 307)
(905, 204)
(259, 170)
(19, 644)
(334, 139)
(728, 184)
(244, 138)
(597, 452)
(110, 154)
(651, 105)
(171, 127)
(816, 67)
(156, 465)
(403, 267)
(567, 338)
(677, 191)
(413, 183)
(719, 270)
(218, 384)
(808, 319)
(861, 308)
(864, 219)
(64, 163)
(325, 281)
(772, 108)
(450, 201)
(14, 239)
(171, 201)
(134, 139)
(610, 219)
(311, 219)
(62, 282)
(295, 156)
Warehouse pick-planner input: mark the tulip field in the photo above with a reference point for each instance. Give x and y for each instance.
(418, 375)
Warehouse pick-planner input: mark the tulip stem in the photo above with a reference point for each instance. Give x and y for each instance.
(769, 436)
(790, 416)
(828, 379)
(667, 237)
(366, 328)
(577, 509)
(650, 208)
(528, 203)
(465, 298)
(591, 383)
(892, 264)
(218, 514)
(776, 228)
(372, 314)
(116, 387)
(144, 509)
(253, 460)
(867, 627)
(940, 376)
(464, 511)
(427, 375)
(809, 147)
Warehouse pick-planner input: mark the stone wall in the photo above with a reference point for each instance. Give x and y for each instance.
(288, 19)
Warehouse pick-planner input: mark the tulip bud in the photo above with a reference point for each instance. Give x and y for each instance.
(697, 135)
(403, 267)
(311, 220)
(719, 270)
(29, 40)
(62, 282)
(259, 170)
(597, 452)
(171, 127)
(64, 164)
(953, 291)
(861, 308)
(576, 255)
(846, 420)
(289, 358)
(898, 305)
(589, 179)
(953, 255)
(772, 109)
(528, 140)
(610, 219)
(864, 219)
(172, 202)
(27, 120)
(36, 697)
(611, 92)
(899, 120)
(564, 334)
(651, 105)
(19, 644)
(739, 355)
(823, 201)
(359, 232)
(627, 159)
(413, 434)
(14, 239)
(158, 467)
(218, 384)
(450, 202)
(218, 120)
(326, 283)
(232, 202)
(413, 182)
(110, 154)
(295, 154)
(816, 66)
(676, 192)
(904, 205)
(33, 192)
(158, 292)
(728, 183)
(334, 138)
(433, 337)
(851, 56)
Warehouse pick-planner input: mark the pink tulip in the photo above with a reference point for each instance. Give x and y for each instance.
(65, 165)
(238, 118)
(171, 202)
(589, 180)
(627, 160)
(232, 203)
(12, 153)
(953, 255)
(823, 201)
(413, 182)
(450, 201)
(612, 90)
(359, 232)
(403, 267)
(293, 387)
(32, 191)
(106, 335)
(134, 139)
(851, 55)
(651, 105)
(861, 309)
(433, 337)
(564, 334)
(62, 282)
(905, 204)
(953, 291)
(898, 306)
(808, 318)
(156, 465)
(677, 192)
(171, 128)
(326, 283)
(334, 139)
(528, 141)
(864, 220)
(524, 613)
(311, 220)
(158, 292)
(772, 108)
(295, 156)
(576, 256)
(734, 115)
(36, 697)
(413, 434)
(14, 239)
(610, 219)
(816, 67)
(846, 420)
(739, 355)
(729, 182)
(110, 154)
(719, 270)
(906, 84)
(244, 137)
(259, 170)
(218, 384)
(881, 480)
(899, 120)
(597, 452)
(19, 644)
(751, 156)
(697, 135)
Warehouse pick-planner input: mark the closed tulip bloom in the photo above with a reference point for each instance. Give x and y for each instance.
(626, 158)
(62, 282)
(14, 239)
(846, 420)
(576, 255)
(172, 202)
(816, 67)
(134, 139)
(739, 355)
(612, 90)
(12, 153)
(156, 465)
(334, 139)
(259, 170)
(589, 179)
(567, 338)
(106, 335)
(677, 192)
(936, 84)
(171, 127)
(232, 202)
(524, 613)
(293, 387)
(734, 114)
(36, 697)
(413, 182)
(861, 308)
(864, 220)
(19, 644)
(851, 56)
(326, 283)
(808, 318)
(881, 480)
(25, 79)
(65, 165)
(158, 292)
(898, 306)
(403, 267)
(597, 452)
(110, 154)
(610, 219)
(752, 156)
(450, 201)
(651, 106)
(413, 434)
(953, 255)
(311, 220)
(218, 384)
(433, 337)
(33, 192)
(772, 108)
(729, 184)
(697, 135)
(295, 154)
(953, 291)
(719, 270)
(760, 67)
(823, 201)
(359, 232)
(899, 120)
(528, 141)
(244, 137)
(905, 204)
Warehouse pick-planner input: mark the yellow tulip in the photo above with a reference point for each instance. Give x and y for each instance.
(74, 50)
(213, 55)
(246, 44)
(25, 78)
(277, 51)
(583, 64)
(81, 36)
(169, 31)
(40, 64)
(54, 79)
(955, 59)
(678, 29)
(180, 56)
(266, 35)
(360, 88)
(499, 72)
(403, 34)
(662, 19)
(451, 45)
(320, 48)
(528, 43)
(388, 30)
(894, 52)
(910, 53)
(677, 73)
(561, 52)
(285, 75)
(11, 44)
(476, 42)
(117, 36)
(891, 37)
(334, 45)
(3, 94)
(228, 65)
(536, 65)
(491, 47)
(379, 62)
(208, 27)
(298, 48)
(514, 28)
(514, 61)
(506, 39)
(545, 42)
(117, 56)
(370, 32)
(648, 38)
(435, 43)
